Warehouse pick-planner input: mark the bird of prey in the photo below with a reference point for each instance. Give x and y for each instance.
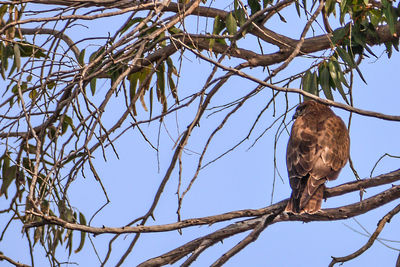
(317, 150)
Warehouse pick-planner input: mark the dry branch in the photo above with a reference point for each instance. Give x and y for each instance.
(371, 240)
(333, 214)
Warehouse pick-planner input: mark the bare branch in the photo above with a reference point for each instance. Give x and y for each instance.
(371, 240)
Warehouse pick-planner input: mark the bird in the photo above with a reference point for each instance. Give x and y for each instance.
(317, 150)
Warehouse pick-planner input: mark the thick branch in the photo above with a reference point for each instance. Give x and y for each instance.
(330, 192)
(339, 213)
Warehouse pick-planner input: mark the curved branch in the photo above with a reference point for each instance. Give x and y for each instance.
(56, 33)
(371, 240)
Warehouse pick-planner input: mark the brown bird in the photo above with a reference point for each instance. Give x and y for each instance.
(317, 150)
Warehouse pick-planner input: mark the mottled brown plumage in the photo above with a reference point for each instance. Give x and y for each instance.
(318, 149)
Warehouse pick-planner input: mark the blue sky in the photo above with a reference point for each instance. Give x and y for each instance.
(241, 180)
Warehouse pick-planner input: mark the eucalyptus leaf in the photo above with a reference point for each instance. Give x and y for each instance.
(231, 24)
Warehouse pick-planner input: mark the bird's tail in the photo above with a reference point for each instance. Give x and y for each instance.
(308, 198)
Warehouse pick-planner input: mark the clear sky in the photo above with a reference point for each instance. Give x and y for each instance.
(242, 179)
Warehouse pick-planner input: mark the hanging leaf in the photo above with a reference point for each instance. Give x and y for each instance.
(143, 102)
(329, 6)
(309, 83)
(67, 122)
(174, 92)
(297, 8)
(336, 74)
(9, 174)
(313, 89)
(69, 244)
(254, 6)
(130, 24)
(240, 16)
(17, 56)
(93, 86)
(346, 57)
(151, 102)
(324, 81)
(31, 50)
(82, 221)
(171, 67)
(133, 80)
(81, 58)
(340, 73)
(33, 94)
(160, 81)
(231, 24)
(340, 34)
(38, 234)
(390, 14)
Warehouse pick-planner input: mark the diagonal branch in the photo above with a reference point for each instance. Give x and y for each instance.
(371, 240)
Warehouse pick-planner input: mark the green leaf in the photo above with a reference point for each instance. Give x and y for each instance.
(231, 24)
(217, 28)
(306, 81)
(297, 8)
(240, 16)
(82, 221)
(151, 102)
(174, 92)
(171, 67)
(340, 34)
(340, 73)
(314, 84)
(130, 24)
(161, 81)
(254, 6)
(389, 49)
(330, 6)
(390, 14)
(66, 122)
(33, 94)
(93, 86)
(17, 56)
(343, 5)
(235, 5)
(38, 234)
(81, 59)
(133, 80)
(9, 174)
(69, 244)
(324, 82)
(31, 50)
(304, 2)
(336, 74)
(346, 57)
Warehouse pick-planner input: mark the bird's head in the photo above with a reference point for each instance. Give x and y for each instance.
(308, 106)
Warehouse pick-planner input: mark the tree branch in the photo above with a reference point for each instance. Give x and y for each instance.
(371, 240)
(333, 214)
(13, 262)
(329, 192)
